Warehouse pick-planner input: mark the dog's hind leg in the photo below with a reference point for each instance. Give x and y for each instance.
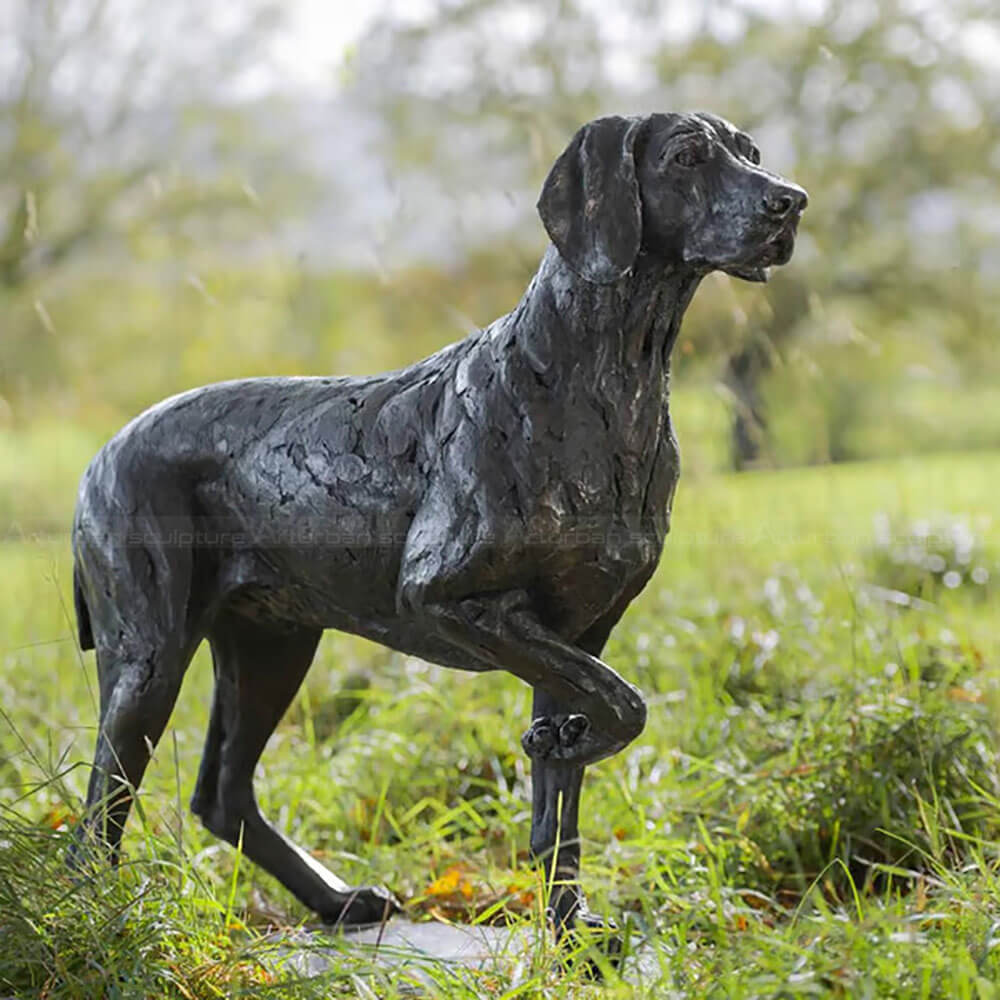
(258, 669)
(143, 652)
(141, 691)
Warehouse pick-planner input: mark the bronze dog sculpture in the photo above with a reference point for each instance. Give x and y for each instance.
(495, 506)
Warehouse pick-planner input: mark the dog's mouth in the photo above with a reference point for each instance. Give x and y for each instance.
(776, 250)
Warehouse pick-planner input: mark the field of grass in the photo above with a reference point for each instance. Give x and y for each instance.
(813, 810)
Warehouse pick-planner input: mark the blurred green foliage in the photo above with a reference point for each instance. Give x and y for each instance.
(886, 113)
(127, 278)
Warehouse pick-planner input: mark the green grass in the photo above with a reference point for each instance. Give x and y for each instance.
(813, 810)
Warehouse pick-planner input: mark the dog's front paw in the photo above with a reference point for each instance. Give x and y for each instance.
(587, 942)
(541, 737)
(591, 946)
(555, 737)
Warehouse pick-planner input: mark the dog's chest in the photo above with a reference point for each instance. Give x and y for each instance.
(595, 484)
(603, 449)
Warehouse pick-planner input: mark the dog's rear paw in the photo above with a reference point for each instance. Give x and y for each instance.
(367, 905)
(556, 737)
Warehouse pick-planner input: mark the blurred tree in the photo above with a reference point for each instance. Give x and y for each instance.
(114, 119)
(888, 115)
(886, 112)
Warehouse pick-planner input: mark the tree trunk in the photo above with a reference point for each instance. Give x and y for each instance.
(748, 430)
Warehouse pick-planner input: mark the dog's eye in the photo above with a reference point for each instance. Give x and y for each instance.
(748, 150)
(691, 154)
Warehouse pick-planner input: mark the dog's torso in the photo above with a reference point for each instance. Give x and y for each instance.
(543, 466)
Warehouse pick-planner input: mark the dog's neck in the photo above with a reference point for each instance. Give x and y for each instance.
(620, 334)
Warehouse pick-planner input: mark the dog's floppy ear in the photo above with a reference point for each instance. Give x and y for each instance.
(590, 200)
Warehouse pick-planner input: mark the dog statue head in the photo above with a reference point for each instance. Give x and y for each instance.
(687, 188)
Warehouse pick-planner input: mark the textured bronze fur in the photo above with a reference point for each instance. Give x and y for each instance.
(495, 506)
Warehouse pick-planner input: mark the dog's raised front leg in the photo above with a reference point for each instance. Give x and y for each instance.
(503, 630)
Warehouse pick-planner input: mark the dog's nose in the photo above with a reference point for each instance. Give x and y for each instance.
(782, 200)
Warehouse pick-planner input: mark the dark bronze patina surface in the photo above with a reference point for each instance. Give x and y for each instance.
(493, 507)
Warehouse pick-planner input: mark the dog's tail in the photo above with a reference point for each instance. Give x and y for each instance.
(84, 631)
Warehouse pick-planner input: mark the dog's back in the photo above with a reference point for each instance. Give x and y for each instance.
(294, 492)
